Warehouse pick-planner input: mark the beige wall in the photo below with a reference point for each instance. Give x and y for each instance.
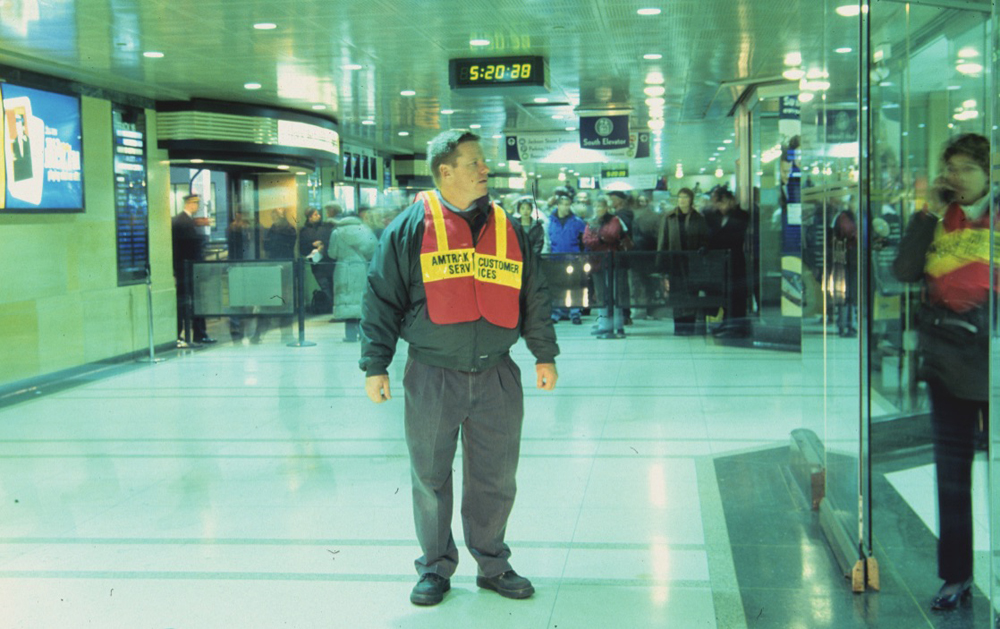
(60, 304)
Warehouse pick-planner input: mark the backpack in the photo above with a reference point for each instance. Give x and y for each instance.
(320, 303)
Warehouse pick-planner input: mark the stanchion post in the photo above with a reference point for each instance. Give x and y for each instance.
(299, 289)
(149, 310)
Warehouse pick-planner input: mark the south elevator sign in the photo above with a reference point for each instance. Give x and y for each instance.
(604, 133)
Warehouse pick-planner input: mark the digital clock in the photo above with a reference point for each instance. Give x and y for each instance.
(497, 72)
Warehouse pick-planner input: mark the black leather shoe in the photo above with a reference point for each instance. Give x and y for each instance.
(951, 594)
(508, 584)
(430, 589)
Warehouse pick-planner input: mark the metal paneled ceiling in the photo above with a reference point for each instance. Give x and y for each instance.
(211, 50)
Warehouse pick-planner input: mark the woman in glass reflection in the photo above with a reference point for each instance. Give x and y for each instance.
(947, 245)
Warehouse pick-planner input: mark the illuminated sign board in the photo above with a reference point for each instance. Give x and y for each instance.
(497, 72)
(42, 165)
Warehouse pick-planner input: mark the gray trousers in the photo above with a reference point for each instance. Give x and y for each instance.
(487, 408)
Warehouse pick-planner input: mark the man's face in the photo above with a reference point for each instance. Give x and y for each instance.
(191, 205)
(565, 207)
(617, 202)
(468, 179)
(582, 197)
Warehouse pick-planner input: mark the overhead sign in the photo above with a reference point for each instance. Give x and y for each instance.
(540, 146)
(603, 133)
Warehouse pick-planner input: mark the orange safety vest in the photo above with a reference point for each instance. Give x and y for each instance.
(462, 282)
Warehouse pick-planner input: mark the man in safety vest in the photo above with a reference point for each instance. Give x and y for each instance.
(454, 277)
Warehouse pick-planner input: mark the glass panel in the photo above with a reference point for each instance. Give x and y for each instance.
(924, 92)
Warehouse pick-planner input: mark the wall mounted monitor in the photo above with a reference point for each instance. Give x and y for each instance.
(42, 169)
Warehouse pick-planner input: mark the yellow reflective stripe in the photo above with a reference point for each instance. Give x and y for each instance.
(497, 270)
(446, 265)
(501, 229)
(956, 249)
(438, 215)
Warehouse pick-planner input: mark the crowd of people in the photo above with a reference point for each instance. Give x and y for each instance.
(658, 238)
(661, 270)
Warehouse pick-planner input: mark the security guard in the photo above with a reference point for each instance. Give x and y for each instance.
(455, 278)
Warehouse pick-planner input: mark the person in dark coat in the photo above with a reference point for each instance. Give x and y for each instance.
(727, 231)
(279, 244)
(187, 247)
(682, 230)
(239, 246)
(315, 236)
(531, 221)
(947, 247)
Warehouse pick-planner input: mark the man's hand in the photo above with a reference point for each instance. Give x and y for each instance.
(547, 376)
(377, 388)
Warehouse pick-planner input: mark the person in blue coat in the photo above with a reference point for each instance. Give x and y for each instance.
(566, 236)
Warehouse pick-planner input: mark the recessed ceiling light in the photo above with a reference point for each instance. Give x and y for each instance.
(541, 99)
(367, 122)
(969, 68)
(571, 128)
(720, 148)
(655, 102)
(352, 66)
(283, 167)
(479, 42)
(197, 161)
(793, 59)
(447, 112)
(727, 141)
(655, 124)
(849, 10)
(301, 172)
(152, 54)
(654, 78)
(408, 93)
(648, 11)
(403, 134)
(475, 126)
(654, 90)
(497, 136)
(265, 26)
(557, 116)
(968, 52)
(319, 107)
(251, 86)
(844, 50)
(793, 74)
(952, 88)
(652, 56)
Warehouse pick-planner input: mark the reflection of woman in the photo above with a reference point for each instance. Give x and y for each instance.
(683, 229)
(604, 235)
(948, 246)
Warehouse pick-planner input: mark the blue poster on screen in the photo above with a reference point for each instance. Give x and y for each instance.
(42, 150)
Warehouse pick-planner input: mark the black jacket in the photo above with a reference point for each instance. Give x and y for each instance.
(954, 348)
(187, 242)
(279, 242)
(395, 306)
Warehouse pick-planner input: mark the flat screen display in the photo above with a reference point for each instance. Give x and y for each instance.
(42, 162)
(131, 203)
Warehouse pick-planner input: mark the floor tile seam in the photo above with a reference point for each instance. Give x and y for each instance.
(356, 577)
(339, 543)
(721, 565)
(288, 456)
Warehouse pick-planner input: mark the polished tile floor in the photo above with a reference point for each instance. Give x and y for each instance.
(256, 486)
